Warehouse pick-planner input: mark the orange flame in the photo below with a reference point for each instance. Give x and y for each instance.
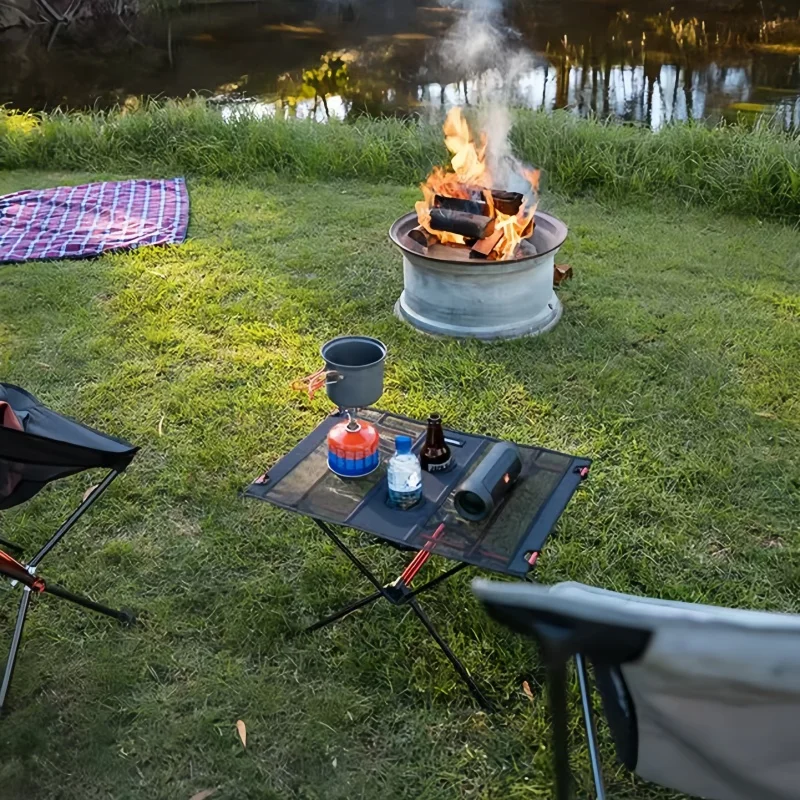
(469, 177)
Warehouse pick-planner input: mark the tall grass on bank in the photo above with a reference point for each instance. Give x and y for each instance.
(733, 168)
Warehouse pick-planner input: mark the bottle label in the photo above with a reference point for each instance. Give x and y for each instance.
(404, 482)
(440, 467)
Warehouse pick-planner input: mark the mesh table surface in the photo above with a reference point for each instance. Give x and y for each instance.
(302, 482)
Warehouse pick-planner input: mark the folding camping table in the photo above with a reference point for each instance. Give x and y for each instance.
(508, 542)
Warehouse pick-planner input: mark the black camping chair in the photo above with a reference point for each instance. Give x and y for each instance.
(38, 446)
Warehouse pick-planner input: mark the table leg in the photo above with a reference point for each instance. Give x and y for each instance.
(331, 534)
(438, 579)
(364, 601)
(400, 595)
(454, 660)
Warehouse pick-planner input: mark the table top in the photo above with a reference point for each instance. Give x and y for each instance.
(301, 482)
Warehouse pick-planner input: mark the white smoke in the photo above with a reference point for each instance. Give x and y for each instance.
(484, 50)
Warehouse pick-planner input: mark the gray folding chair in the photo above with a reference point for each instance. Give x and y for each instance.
(700, 699)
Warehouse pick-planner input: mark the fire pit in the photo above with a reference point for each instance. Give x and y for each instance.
(478, 261)
(448, 293)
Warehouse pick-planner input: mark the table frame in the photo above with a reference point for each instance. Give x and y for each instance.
(400, 593)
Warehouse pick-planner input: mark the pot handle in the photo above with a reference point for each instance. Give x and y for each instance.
(316, 380)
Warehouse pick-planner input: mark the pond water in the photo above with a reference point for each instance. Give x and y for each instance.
(647, 62)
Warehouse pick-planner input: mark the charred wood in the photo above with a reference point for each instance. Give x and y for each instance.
(471, 226)
(459, 204)
(507, 202)
(483, 248)
(422, 237)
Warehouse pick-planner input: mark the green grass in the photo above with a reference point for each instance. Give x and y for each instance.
(674, 367)
(735, 168)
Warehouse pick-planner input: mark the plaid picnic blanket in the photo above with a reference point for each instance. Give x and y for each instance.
(86, 220)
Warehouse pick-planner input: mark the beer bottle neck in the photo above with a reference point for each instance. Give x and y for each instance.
(435, 435)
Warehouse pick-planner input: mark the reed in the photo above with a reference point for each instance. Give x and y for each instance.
(738, 168)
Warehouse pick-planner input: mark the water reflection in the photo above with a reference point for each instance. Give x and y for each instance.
(338, 108)
(628, 93)
(329, 60)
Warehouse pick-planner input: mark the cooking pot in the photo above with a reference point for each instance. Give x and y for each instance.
(353, 371)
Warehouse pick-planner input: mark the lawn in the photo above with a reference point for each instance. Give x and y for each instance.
(674, 367)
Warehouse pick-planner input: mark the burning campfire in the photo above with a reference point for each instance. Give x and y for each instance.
(462, 205)
(478, 257)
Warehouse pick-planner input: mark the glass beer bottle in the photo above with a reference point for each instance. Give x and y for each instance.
(435, 455)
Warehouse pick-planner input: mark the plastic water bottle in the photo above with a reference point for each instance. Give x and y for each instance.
(404, 475)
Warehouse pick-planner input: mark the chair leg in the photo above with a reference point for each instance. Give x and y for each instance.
(13, 546)
(557, 689)
(15, 642)
(124, 616)
(591, 730)
(73, 518)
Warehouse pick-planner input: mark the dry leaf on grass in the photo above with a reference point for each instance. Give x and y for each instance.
(242, 731)
(203, 795)
(161, 426)
(526, 687)
(89, 491)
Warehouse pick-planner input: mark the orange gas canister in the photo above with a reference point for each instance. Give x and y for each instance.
(353, 448)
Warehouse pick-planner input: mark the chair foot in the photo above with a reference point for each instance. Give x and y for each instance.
(127, 618)
(14, 649)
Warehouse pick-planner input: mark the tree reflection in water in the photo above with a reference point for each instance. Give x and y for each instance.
(294, 59)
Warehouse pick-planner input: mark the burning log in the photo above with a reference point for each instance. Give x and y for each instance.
(507, 202)
(422, 237)
(483, 247)
(459, 204)
(471, 226)
(459, 208)
(528, 232)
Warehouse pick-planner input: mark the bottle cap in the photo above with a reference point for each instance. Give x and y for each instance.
(403, 444)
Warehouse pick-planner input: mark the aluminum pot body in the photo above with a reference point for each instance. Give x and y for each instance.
(355, 370)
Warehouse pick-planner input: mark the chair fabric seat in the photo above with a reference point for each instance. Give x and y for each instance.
(716, 693)
(48, 446)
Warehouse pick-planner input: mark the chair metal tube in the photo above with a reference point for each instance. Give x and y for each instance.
(591, 731)
(15, 642)
(557, 690)
(125, 617)
(73, 518)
